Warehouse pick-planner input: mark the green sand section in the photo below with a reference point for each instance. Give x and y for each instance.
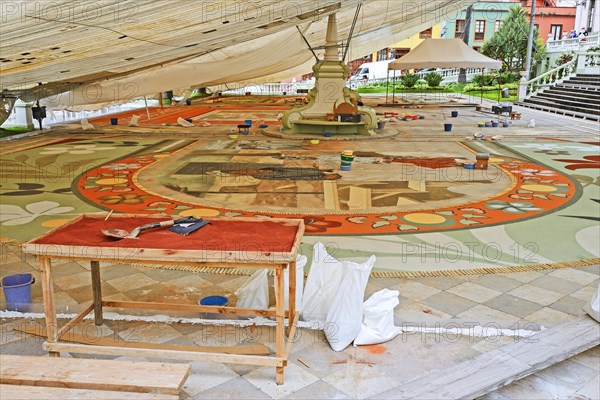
(557, 234)
(38, 186)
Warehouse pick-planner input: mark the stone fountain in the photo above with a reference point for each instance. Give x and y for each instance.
(331, 106)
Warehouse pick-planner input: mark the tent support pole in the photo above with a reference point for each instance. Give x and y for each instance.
(351, 30)
(308, 44)
(394, 89)
(387, 85)
(147, 111)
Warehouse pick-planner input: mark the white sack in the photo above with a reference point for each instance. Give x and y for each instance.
(134, 120)
(378, 318)
(593, 307)
(85, 125)
(184, 123)
(322, 283)
(344, 318)
(254, 293)
(300, 264)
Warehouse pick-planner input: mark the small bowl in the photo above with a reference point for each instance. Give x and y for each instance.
(233, 136)
(315, 141)
(469, 166)
(214, 300)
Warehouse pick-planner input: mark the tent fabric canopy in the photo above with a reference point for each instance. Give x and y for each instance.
(444, 53)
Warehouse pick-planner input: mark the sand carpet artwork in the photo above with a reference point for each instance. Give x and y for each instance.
(408, 203)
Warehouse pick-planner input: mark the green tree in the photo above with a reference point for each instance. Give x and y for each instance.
(509, 43)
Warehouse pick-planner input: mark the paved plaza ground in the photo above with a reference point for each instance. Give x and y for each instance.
(545, 285)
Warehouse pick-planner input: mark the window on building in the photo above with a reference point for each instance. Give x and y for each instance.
(459, 28)
(497, 25)
(555, 32)
(399, 52)
(426, 34)
(479, 29)
(382, 54)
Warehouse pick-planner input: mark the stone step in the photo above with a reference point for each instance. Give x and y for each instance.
(572, 108)
(569, 101)
(559, 111)
(492, 370)
(569, 94)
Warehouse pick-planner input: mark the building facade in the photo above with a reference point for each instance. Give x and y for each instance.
(553, 22)
(486, 19)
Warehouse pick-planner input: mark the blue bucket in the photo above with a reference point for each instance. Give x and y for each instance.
(214, 300)
(248, 122)
(17, 291)
(447, 127)
(114, 121)
(454, 114)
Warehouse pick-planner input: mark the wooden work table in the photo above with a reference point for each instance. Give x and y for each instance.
(225, 243)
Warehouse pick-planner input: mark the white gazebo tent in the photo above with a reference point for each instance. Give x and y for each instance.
(443, 53)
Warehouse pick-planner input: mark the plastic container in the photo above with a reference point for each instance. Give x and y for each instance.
(454, 114)
(248, 122)
(114, 121)
(214, 300)
(17, 291)
(447, 127)
(314, 141)
(380, 124)
(347, 158)
(327, 134)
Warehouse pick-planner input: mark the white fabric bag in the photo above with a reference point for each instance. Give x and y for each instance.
(378, 318)
(300, 264)
(85, 125)
(322, 283)
(134, 120)
(593, 307)
(184, 123)
(344, 318)
(254, 293)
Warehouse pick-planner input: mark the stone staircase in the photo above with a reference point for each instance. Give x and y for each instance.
(578, 96)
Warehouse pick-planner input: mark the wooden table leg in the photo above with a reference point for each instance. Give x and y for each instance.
(280, 321)
(292, 295)
(49, 306)
(97, 293)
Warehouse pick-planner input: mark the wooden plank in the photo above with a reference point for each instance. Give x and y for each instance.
(485, 373)
(292, 333)
(49, 306)
(250, 349)
(67, 327)
(291, 295)
(83, 373)
(97, 292)
(279, 318)
(330, 195)
(166, 354)
(188, 307)
(17, 392)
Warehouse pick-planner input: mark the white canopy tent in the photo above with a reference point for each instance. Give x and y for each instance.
(89, 54)
(444, 53)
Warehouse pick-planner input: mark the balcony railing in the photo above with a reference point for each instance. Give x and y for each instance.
(563, 45)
